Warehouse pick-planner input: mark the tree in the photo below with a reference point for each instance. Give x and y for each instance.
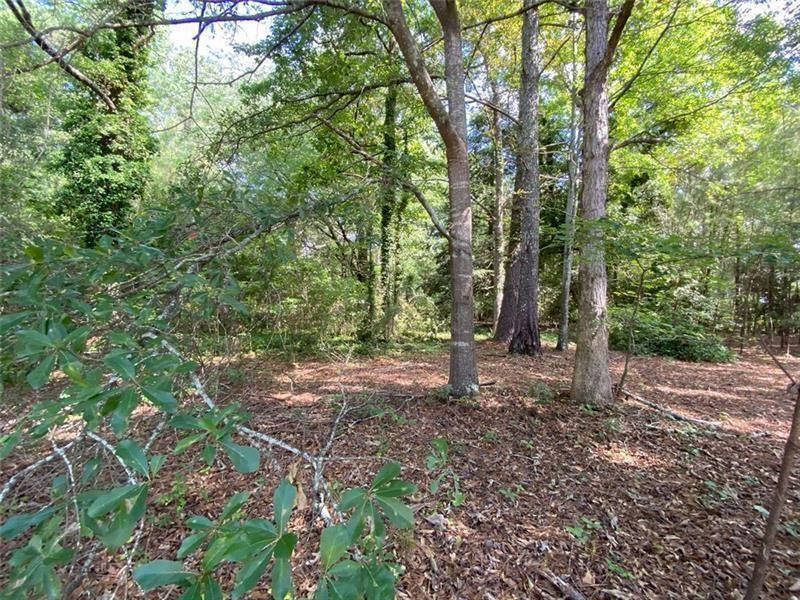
(105, 160)
(452, 126)
(525, 337)
(591, 382)
(573, 185)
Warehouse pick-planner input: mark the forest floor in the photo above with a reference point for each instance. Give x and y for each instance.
(620, 503)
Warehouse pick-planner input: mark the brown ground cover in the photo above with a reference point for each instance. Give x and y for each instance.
(621, 503)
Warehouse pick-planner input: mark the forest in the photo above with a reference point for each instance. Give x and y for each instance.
(375, 299)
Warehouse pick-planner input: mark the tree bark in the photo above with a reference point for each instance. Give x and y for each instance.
(591, 381)
(572, 204)
(498, 234)
(452, 126)
(525, 338)
(388, 202)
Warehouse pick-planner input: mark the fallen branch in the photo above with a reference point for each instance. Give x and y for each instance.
(32, 467)
(317, 462)
(677, 416)
(569, 592)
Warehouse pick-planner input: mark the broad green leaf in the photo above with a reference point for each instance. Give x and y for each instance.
(236, 502)
(133, 456)
(249, 575)
(162, 572)
(346, 568)
(35, 253)
(8, 322)
(91, 470)
(282, 588)
(18, 524)
(189, 440)
(161, 398)
(352, 498)
(390, 471)
(199, 523)
(333, 545)
(285, 545)
(216, 551)
(398, 513)
(396, 489)
(283, 503)
(118, 362)
(246, 459)
(40, 375)
(156, 462)
(111, 500)
(8, 443)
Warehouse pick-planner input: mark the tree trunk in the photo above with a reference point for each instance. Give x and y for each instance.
(388, 202)
(591, 381)
(504, 330)
(498, 237)
(572, 204)
(452, 126)
(525, 339)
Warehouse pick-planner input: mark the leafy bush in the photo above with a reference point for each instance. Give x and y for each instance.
(658, 335)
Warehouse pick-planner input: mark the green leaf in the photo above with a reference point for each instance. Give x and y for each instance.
(236, 502)
(282, 588)
(398, 513)
(190, 544)
(91, 469)
(7, 322)
(199, 523)
(333, 545)
(248, 576)
(162, 572)
(346, 568)
(396, 489)
(390, 471)
(40, 375)
(35, 253)
(246, 459)
(216, 551)
(18, 524)
(285, 545)
(118, 362)
(128, 401)
(8, 443)
(189, 440)
(209, 454)
(34, 339)
(156, 462)
(352, 498)
(161, 398)
(110, 500)
(133, 456)
(283, 502)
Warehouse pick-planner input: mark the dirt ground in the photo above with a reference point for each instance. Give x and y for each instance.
(621, 503)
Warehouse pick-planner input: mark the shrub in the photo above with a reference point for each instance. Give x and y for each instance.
(662, 336)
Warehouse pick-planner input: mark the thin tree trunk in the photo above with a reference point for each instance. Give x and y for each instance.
(452, 126)
(525, 339)
(591, 381)
(498, 235)
(572, 203)
(388, 202)
(756, 583)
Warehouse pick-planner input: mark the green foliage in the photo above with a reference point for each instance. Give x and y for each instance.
(445, 477)
(655, 334)
(353, 561)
